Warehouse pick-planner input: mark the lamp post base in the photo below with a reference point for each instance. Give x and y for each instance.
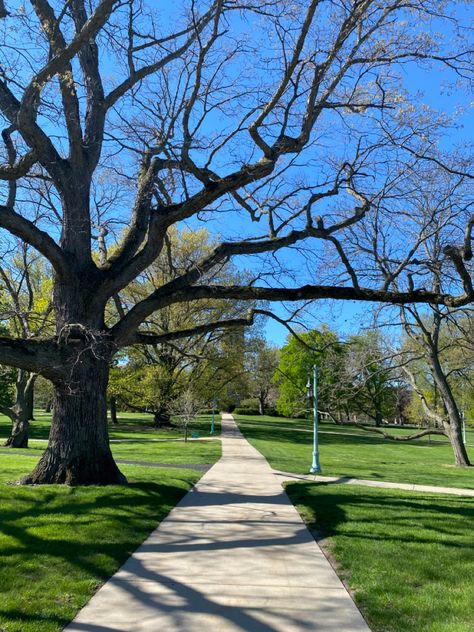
(315, 466)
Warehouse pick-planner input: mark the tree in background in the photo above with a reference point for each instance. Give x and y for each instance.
(261, 364)
(26, 287)
(148, 386)
(7, 388)
(185, 408)
(438, 357)
(439, 200)
(150, 377)
(369, 377)
(297, 357)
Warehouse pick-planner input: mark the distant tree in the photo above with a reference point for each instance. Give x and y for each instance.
(150, 377)
(297, 357)
(440, 361)
(369, 377)
(222, 378)
(185, 408)
(261, 363)
(27, 309)
(147, 387)
(441, 335)
(7, 387)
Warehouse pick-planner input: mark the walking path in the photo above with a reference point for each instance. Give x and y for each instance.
(411, 487)
(233, 556)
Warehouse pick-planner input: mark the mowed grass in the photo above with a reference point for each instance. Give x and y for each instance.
(130, 426)
(287, 446)
(134, 446)
(409, 558)
(59, 544)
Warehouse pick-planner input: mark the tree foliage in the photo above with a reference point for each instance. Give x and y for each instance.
(297, 357)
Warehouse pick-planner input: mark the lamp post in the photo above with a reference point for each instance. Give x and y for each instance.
(212, 419)
(312, 391)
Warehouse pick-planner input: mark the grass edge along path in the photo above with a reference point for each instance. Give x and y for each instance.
(288, 449)
(59, 544)
(407, 558)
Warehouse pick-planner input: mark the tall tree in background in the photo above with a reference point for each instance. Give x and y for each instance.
(262, 362)
(297, 357)
(151, 377)
(27, 308)
(430, 346)
(369, 377)
(122, 119)
(440, 200)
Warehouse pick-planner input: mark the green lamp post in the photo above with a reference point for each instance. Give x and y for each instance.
(312, 393)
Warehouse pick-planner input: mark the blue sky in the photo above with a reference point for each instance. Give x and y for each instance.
(434, 89)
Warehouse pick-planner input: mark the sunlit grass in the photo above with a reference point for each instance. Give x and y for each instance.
(58, 544)
(287, 447)
(408, 557)
(130, 426)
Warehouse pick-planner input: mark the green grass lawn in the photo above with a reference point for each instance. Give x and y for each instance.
(409, 558)
(287, 446)
(326, 427)
(137, 446)
(131, 426)
(58, 544)
(169, 452)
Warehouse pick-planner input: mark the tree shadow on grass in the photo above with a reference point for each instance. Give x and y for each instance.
(434, 513)
(57, 537)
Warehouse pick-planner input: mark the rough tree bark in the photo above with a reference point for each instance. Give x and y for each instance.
(161, 418)
(78, 452)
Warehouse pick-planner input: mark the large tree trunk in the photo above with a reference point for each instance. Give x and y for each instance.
(460, 453)
(20, 413)
(78, 452)
(30, 400)
(378, 418)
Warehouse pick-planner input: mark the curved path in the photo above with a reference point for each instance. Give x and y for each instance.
(232, 556)
(346, 480)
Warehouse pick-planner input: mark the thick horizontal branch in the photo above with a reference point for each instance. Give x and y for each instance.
(36, 356)
(20, 169)
(8, 412)
(169, 295)
(121, 272)
(23, 228)
(154, 339)
(124, 265)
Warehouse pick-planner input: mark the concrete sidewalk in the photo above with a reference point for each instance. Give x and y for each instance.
(233, 556)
